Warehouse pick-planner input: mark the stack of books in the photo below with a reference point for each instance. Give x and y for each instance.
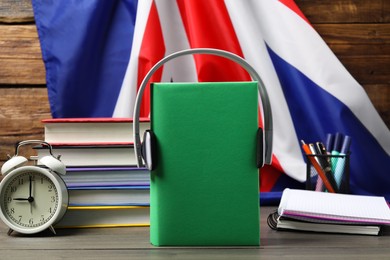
(105, 186)
(306, 210)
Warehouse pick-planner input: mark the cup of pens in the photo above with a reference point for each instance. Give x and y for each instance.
(327, 167)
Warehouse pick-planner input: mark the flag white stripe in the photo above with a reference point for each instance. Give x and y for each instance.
(286, 146)
(126, 99)
(175, 39)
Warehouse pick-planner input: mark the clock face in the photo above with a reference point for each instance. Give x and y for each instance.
(29, 199)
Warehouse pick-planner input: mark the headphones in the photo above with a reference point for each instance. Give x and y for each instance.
(146, 151)
(50, 161)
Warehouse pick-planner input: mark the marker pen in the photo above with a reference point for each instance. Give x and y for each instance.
(335, 150)
(319, 183)
(339, 169)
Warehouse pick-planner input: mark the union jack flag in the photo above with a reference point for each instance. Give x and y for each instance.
(96, 54)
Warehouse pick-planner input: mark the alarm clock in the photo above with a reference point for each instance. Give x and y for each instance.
(32, 198)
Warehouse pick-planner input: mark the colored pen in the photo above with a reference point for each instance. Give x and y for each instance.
(325, 163)
(329, 146)
(337, 142)
(318, 168)
(339, 169)
(329, 142)
(335, 150)
(323, 159)
(320, 183)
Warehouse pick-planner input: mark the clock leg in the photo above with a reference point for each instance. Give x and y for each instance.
(52, 230)
(10, 231)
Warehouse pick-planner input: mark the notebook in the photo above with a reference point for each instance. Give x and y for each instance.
(204, 191)
(330, 212)
(284, 223)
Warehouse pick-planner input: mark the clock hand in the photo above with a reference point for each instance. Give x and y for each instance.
(30, 186)
(30, 198)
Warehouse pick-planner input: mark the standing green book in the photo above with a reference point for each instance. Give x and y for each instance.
(204, 190)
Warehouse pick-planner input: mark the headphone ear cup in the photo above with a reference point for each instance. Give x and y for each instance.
(12, 164)
(54, 164)
(259, 148)
(148, 150)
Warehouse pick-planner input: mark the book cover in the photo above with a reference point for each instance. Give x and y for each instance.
(98, 154)
(97, 120)
(109, 195)
(105, 216)
(90, 130)
(106, 176)
(204, 191)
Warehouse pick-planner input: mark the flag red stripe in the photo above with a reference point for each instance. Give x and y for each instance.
(293, 6)
(152, 50)
(208, 25)
(269, 175)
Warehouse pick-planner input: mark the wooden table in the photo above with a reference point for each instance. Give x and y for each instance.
(133, 243)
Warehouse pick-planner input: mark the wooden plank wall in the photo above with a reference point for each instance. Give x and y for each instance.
(358, 32)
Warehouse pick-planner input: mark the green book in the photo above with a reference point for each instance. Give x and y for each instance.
(205, 188)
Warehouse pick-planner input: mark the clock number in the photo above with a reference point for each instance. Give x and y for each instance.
(9, 199)
(53, 199)
(31, 221)
(42, 218)
(12, 210)
(50, 210)
(20, 219)
(50, 187)
(21, 181)
(13, 188)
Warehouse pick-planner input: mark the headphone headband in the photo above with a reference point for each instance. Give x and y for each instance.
(266, 107)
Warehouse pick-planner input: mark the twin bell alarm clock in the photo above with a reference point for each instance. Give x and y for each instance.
(32, 198)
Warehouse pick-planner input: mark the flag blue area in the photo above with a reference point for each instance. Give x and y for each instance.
(315, 113)
(270, 198)
(86, 48)
(286, 181)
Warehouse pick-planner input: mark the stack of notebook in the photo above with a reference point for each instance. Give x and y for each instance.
(306, 210)
(106, 188)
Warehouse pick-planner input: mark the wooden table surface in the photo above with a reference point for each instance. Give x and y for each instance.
(133, 243)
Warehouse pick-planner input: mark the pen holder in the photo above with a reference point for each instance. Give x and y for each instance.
(338, 168)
